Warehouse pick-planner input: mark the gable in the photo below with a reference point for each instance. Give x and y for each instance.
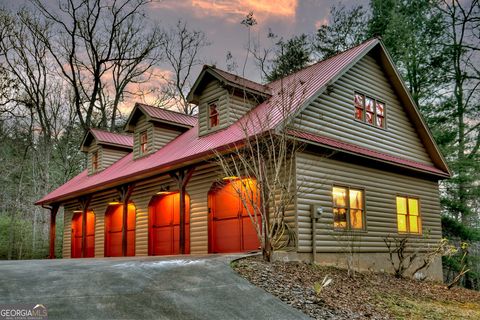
(332, 114)
(213, 92)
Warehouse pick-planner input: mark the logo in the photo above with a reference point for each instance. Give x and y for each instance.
(23, 312)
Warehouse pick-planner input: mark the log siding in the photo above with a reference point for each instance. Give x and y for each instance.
(317, 175)
(332, 114)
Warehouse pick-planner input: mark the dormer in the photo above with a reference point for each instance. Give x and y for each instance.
(103, 148)
(154, 127)
(223, 98)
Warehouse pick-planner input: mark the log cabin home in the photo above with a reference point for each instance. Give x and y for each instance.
(156, 190)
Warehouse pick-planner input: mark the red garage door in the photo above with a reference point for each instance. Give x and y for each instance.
(77, 235)
(113, 230)
(230, 226)
(164, 224)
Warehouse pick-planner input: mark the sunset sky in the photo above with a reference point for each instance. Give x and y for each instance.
(221, 20)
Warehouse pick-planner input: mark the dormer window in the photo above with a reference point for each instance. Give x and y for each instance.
(213, 115)
(95, 161)
(369, 110)
(143, 142)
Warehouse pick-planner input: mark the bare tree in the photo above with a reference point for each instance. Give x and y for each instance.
(97, 43)
(264, 162)
(181, 47)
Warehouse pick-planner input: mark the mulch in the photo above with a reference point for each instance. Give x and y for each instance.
(366, 295)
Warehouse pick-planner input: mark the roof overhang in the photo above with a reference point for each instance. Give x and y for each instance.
(139, 110)
(90, 136)
(209, 73)
(347, 148)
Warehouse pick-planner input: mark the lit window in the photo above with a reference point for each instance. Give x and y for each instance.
(408, 215)
(95, 161)
(213, 115)
(359, 106)
(348, 208)
(369, 110)
(143, 142)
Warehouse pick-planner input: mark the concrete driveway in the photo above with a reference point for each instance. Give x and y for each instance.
(193, 287)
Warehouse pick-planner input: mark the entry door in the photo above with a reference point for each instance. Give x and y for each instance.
(77, 235)
(232, 229)
(113, 231)
(165, 225)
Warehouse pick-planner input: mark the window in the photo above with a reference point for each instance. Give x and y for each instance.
(408, 215)
(369, 110)
(348, 208)
(213, 115)
(95, 161)
(143, 142)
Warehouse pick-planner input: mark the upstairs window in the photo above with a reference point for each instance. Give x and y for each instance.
(95, 161)
(369, 110)
(143, 142)
(408, 215)
(212, 115)
(348, 208)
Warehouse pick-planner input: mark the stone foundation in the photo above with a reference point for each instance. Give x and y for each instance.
(376, 262)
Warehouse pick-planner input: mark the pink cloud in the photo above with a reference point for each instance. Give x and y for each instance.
(233, 10)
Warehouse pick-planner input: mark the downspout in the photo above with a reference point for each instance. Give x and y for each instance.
(315, 214)
(53, 214)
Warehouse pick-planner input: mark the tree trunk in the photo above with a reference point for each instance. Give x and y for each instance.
(267, 250)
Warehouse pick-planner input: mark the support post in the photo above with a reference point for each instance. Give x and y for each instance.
(125, 194)
(182, 177)
(84, 203)
(53, 216)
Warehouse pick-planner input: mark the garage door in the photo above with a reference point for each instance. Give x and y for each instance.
(164, 224)
(230, 226)
(77, 235)
(113, 230)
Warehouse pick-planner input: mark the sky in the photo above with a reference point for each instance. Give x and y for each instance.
(220, 20)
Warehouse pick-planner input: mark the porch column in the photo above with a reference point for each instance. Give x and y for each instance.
(125, 193)
(182, 177)
(53, 216)
(84, 204)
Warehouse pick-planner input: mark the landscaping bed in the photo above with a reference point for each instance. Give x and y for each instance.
(367, 295)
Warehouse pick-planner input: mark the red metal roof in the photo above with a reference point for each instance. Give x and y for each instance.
(107, 137)
(169, 115)
(242, 82)
(340, 145)
(288, 96)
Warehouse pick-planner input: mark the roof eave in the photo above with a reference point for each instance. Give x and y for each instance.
(172, 123)
(192, 98)
(435, 174)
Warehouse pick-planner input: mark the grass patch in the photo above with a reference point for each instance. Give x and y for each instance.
(402, 307)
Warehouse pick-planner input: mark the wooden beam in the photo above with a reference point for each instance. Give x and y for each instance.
(125, 193)
(84, 204)
(53, 216)
(182, 177)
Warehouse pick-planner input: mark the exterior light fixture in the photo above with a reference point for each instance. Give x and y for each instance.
(230, 178)
(164, 189)
(164, 192)
(114, 202)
